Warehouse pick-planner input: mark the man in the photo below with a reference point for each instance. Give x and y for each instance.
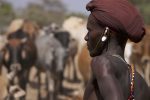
(110, 24)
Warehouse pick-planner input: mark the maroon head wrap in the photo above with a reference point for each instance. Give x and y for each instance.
(120, 16)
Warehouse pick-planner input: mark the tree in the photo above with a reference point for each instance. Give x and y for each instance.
(76, 14)
(6, 13)
(144, 6)
(42, 15)
(54, 5)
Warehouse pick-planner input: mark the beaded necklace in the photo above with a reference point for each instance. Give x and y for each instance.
(132, 77)
(132, 73)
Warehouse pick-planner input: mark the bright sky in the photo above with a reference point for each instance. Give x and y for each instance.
(72, 5)
(77, 5)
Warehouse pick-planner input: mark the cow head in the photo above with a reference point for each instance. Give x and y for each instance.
(18, 53)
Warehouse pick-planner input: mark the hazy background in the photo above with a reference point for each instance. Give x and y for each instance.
(44, 12)
(72, 5)
(47, 11)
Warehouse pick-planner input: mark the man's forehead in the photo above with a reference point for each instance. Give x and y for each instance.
(92, 23)
(91, 19)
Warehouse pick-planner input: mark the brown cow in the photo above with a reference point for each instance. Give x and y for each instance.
(3, 87)
(19, 55)
(141, 56)
(72, 52)
(84, 64)
(30, 28)
(27, 26)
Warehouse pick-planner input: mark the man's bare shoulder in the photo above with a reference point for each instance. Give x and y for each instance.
(101, 66)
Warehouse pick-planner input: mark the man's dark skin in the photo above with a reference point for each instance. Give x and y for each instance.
(110, 74)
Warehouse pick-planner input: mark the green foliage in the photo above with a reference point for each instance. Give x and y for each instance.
(54, 11)
(144, 7)
(54, 5)
(44, 13)
(6, 13)
(41, 15)
(145, 11)
(139, 2)
(77, 14)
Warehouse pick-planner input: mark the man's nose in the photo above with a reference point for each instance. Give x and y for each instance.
(86, 37)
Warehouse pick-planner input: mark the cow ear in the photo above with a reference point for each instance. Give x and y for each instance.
(23, 40)
(4, 54)
(2, 46)
(1, 55)
(3, 50)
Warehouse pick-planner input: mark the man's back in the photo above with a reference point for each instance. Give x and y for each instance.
(122, 74)
(141, 89)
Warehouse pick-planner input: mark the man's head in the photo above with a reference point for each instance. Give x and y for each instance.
(120, 16)
(97, 36)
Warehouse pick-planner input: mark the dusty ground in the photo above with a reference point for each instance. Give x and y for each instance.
(32, 87)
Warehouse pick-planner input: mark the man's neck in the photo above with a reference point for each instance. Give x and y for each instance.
(115, 48)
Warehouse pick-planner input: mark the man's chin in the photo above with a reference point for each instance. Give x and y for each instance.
(93, 54)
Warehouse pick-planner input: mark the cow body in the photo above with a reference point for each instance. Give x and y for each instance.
(63, 37)
(51, 56)
(140, 57)
(19, 55)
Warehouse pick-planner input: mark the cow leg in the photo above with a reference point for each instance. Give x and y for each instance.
(75, 70)
(52, 89)
(39, 84)
(24, 79)
(60, 82)
(10, 95)
(56, 88)
(68, 68)
(147, 73)
(49, 94)
(58, 85)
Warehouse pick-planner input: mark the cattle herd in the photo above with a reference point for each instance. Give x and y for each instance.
(57, 52)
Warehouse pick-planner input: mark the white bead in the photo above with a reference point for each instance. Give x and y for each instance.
(104, 38)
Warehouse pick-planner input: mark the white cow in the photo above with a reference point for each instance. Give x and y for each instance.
(128, 51)
(76, 26)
